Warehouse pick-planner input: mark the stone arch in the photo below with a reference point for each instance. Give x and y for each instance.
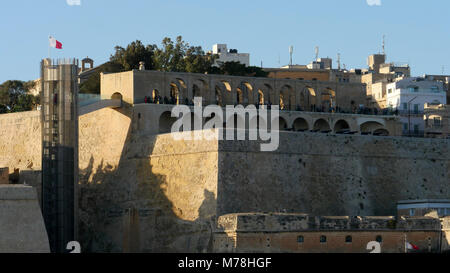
(239, 96)
(155, 97)
(183, 91)
(227, 96)
(381, 132)
(174, 95)
(165, 122)
(282, 125)
(370, 126)
(341, 126)
(200, 88)
(311, 98)
(117, 96)
(219, 96)
(247, 93)
(300, 124)
(267, 91)
(328, 100)
(260, 99)
(321, 125)
(287, 97)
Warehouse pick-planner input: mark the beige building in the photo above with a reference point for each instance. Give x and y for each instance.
(427, 207)
(445, 79)
(437, 121)
(302, 233)
(379, 75)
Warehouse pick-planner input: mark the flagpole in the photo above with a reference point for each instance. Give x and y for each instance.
(49, 48)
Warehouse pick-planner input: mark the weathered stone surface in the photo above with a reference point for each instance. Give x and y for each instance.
(22, 228)
(301, 233)
(141, 192)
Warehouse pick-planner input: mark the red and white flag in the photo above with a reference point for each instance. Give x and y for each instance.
(410, 246)
(54, 43)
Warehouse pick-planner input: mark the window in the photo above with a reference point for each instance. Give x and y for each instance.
(416, 128)
(379, 239)
(435, 89)
(348, 239)
(441, 212)
(412, 212)
(405, 106)
(405, 126)
(389, 90)
(437, 122)
(416, 108)
(300, 239)
(413, 89)
(323, 239)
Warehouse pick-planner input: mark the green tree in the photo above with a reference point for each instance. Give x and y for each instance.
(128, 58)
(238, 69)
(171, 56)
(196, 61)
(15, 97)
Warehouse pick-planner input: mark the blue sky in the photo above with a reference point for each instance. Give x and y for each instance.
(417, 32)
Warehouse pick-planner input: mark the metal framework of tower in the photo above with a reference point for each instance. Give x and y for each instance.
(59, 118)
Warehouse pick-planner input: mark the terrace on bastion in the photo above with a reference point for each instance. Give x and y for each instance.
(326, 107)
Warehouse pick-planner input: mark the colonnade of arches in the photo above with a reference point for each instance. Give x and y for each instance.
(224, 92)
(299, 124)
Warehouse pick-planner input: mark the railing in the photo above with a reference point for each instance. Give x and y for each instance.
(413, 133)
(87, 99)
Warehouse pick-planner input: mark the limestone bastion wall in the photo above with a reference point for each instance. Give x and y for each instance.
(140, 192)
(332, 175)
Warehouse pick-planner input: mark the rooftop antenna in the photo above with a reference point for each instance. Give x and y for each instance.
(384, 44)
(317, 52)
(339, 61)
(291, 51)
(279, 60)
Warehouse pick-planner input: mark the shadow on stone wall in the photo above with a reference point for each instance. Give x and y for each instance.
(134, 214)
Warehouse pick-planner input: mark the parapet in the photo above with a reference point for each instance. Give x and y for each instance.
(257, 222)
(22, 228)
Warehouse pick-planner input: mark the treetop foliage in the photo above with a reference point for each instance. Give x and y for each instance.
(15, 96)
(172, 56)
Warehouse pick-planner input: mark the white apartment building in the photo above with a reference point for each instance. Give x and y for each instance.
(408, 96)
(231, 55)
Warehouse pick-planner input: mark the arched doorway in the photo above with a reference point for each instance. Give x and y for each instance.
(116, 96)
